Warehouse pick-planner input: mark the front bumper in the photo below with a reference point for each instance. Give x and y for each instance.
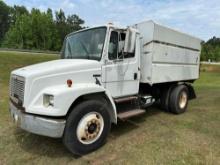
(37, 125)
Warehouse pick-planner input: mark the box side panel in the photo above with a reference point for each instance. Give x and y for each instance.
(174, 64)
(163, 63)
(174, 55)
(169, 73)
(171, 36)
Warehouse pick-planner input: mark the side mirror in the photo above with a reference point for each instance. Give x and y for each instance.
(130, 40)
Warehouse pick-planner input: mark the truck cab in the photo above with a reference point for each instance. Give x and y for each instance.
(119, 69)
(96, 81)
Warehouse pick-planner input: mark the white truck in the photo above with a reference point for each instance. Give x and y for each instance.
(105, 73)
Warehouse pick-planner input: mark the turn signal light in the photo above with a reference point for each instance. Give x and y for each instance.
(69, 83)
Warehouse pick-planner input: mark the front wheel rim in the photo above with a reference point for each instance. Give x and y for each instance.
(183, 99)
(90, 128)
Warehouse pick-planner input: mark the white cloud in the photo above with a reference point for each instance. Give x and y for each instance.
(67, 4)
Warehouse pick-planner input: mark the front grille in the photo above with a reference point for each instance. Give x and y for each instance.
(17, 88)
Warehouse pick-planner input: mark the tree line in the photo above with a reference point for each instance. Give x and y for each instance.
(211, 50)
(35, 29)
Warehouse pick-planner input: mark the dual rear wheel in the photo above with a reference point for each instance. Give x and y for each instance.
(175, 99)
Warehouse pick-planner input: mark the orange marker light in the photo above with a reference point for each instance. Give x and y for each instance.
(69, 82)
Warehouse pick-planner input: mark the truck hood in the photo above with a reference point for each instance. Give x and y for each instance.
(56, 67)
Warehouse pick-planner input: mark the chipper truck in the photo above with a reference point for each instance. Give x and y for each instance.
(105, 74)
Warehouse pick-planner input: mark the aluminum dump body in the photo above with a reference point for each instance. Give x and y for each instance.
(167, 55)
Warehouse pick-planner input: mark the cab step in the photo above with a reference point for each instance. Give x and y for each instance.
(126, 99)
(131, 113)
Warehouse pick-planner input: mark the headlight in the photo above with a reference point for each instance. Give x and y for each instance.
(48, 100)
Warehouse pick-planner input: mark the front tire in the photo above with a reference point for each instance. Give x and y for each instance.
(87, 127)
(179, 99)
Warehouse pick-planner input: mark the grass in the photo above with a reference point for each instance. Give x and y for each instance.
(154, 138)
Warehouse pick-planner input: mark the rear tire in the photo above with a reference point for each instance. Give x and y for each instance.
(164, 99)
(87, 127)
(179, 99)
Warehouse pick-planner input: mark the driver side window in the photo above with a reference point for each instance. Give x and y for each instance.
(113, 46)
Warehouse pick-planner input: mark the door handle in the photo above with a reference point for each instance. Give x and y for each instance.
(135, 76)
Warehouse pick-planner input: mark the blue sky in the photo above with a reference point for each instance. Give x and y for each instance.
(200, 18)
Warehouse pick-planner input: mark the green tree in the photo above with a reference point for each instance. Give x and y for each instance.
(4, 19)
(55, 41)
(45, 34)
(61, 24)
(16, 12)
(67, 25)
(19, 34)
(74, 23)
(36, 29)
(211, 50)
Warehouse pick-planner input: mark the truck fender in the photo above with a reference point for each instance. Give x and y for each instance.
(93, 89)
(66, 96)
(192, 94)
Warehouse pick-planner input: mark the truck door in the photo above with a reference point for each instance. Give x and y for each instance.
(120, 73)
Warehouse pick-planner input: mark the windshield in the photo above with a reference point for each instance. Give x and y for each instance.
(86, 44)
